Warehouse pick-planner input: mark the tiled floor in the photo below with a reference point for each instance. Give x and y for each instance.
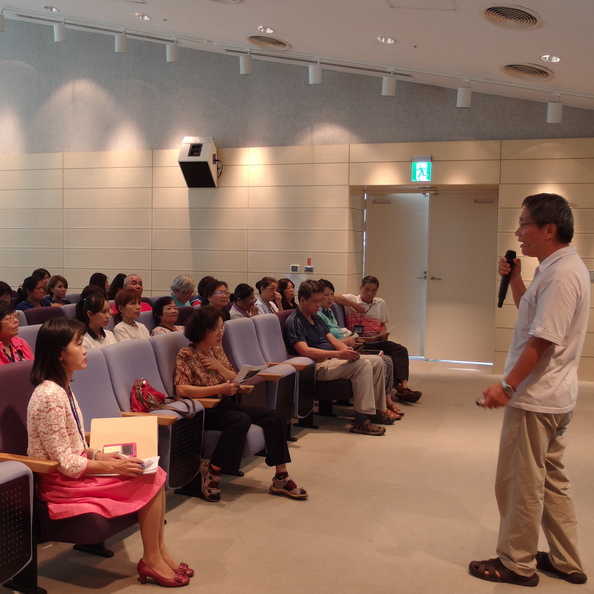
(401, 513)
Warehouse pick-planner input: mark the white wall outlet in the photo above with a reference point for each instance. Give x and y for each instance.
(294, 268)
(308, 269)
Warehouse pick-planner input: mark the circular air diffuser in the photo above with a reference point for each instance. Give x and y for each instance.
(267, 42)
(512, 17)
(528, 71)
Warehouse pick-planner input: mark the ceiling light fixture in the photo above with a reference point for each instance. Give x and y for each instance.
(172, 51)
(550, 58)
(51, 8)
(142, 17)
(121, 43)
(1, 21)
(265, 29)
(464, 95)
(315, 74)
(59, 32)
(245, 64)
(385, 39)
(389, 85)
(555, 110)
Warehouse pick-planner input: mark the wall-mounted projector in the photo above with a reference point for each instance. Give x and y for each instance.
(198, 161)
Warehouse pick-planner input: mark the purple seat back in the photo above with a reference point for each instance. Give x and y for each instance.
(39, 315)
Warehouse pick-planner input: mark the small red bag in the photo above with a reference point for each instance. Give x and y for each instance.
(145, 399)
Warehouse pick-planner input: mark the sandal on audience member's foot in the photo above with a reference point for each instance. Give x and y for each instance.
(493, 570)
(367, 428)
(382, 418)
(395, 410)
(543, 562)
(286, 486)
(408, 395)
(209, 482)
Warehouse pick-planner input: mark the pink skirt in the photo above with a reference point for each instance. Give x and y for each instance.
(108, 496)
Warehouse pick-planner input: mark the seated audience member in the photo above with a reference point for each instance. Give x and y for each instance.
(116, 285)
(243, 302)
(31, 294)
(182, 288)
(127, 303)
(165, 313)
(287, 290)
(309, 336)
(200, 299)
(56, 432)
(134, 283)
(56, 290)
(94, 312)
(44, 275)
(201, 371)
(216, 293)
(270, 299)
(12, 348)
(5, 291)
(98, 279)
(373, 322)
(346, 336)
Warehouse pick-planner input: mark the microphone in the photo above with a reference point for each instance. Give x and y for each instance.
(509, 256)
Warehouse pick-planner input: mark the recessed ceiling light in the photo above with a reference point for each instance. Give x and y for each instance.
(550, 58)
(265, 29)
(51, 8)
(384, 39)
(142, 17)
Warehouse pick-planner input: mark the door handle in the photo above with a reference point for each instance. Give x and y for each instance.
(423, 277)
(435, 278)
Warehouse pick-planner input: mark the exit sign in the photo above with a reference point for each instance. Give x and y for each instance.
(421, 171)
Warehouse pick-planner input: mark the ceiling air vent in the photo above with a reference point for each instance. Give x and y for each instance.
(228, 1)
(267, 42)
(528, 71)
(512, 17)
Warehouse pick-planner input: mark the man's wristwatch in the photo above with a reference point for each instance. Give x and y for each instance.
(507, 389)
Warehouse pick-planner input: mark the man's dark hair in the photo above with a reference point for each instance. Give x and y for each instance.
(551, 208)
(308, 288)
(327, 284)
(201, 322)
(370, 280)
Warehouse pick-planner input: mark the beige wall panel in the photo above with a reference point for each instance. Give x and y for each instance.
(15, 276)
(506, 316)
(27, 219)
(301, 196)
(562, 148)
(98, 258)
(191, 260)
(512, 195)
(107, 218)
(310, 174)
(503, 338)
(165, 158)
(234, 175)
(114, 159)
(276, 155)
(34, 161)
(296, 218)
(162, 278)
(353, 283)
(356, 220)
(584, 244)
(168, 177)
(439, 151)
(34, 179)
(107, 238)
(576, 171)
(323, 263)
(591, 320)
(355, 264)
(294, 241)
(32, 258)
(200, 197)
(586, 369)
(121, 177)
(203, 239)
(34, 199)
(78, 278)
(234, 156)
(445, 173)
(356, 199)
(108, 198)
(196, 218)
(588, 350)
(498, 363)
(355, 241)
(41, 238)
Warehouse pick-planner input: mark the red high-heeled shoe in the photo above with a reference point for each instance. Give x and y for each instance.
(144, 571)
(183, 567)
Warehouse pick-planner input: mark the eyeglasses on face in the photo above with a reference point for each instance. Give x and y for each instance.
(10, 317)
(218, 330)
(222, 293)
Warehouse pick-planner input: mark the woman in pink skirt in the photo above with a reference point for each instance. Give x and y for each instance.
(56, 432)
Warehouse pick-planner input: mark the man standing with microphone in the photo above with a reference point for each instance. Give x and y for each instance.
(539, 390)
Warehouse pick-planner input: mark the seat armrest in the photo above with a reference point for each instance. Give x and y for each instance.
(296, 366)
(161, 419)
(88, 437)
(244, 388)
(270, 377)
(39, 465)
(208, 402)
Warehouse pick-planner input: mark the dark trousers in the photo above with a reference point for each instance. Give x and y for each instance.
(234, 421)
(396, 352)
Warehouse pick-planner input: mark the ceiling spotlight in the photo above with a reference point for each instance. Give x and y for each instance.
(59, 32)
(464, 95)
(388, 86)
(142, 17)
(550, 58)
(121, 43)
(265, 29)
(315, 74)
(1, 21)
(245, 64)
(172, 52)
(384, 39)
(555, 110)
(51, 8)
